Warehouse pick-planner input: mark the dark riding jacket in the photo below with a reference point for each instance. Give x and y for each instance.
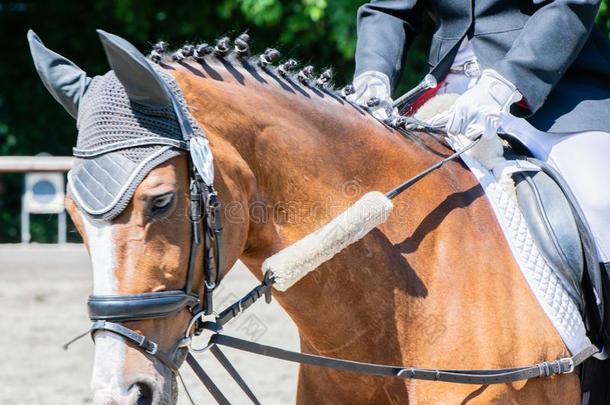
(550, 50)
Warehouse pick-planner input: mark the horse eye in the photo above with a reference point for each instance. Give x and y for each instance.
(162, 202)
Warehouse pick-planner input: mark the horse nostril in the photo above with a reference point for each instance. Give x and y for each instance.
(144, 395)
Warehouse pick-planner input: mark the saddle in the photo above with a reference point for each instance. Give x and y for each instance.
(562, 235)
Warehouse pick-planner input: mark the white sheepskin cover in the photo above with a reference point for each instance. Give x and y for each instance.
(294, 262)
(436, 105)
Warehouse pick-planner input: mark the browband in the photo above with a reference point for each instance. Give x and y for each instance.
(127, 144)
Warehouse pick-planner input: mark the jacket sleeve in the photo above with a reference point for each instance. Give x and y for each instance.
(546, 47)
(385, 31)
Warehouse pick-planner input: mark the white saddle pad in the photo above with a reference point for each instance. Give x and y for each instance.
(545, 285)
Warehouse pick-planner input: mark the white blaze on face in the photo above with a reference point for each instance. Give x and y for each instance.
(103, 258)
(110, 348)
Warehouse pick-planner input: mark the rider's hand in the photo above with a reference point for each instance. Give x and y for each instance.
(372, 91)
(479, 109)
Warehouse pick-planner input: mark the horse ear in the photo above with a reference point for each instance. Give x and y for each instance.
(65, 81)
(142, 84)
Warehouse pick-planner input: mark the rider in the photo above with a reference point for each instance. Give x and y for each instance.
(537, 70)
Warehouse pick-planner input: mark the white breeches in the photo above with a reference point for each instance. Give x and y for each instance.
(583, 159)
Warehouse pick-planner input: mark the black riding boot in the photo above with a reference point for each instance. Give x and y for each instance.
(595, 374)
(595, 378)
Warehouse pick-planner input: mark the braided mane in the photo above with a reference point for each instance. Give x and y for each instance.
(238, 52)
(239, 49)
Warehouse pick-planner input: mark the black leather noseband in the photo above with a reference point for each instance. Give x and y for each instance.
(118, 308)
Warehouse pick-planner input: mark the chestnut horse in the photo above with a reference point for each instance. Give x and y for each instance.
(434, 286)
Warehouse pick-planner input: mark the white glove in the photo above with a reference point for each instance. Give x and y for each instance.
(480, 108)
(369, 86)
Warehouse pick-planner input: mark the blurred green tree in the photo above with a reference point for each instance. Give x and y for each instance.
(320, 32)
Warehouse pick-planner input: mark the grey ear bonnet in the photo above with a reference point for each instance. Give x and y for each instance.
(125, 132)
(110, 165)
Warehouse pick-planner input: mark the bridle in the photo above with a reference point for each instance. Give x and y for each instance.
(108, 312)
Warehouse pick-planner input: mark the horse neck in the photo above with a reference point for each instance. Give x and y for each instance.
(304, 158)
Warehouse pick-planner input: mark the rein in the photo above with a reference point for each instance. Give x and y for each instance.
(477, 377)
(108, 311)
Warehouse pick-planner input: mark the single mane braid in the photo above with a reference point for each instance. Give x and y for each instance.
(285, 68)
(201, 51)
(305, 74)
(242, 45)
(223, 47)
(325, 79)
(268, 57)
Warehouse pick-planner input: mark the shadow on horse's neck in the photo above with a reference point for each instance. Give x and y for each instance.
(301, 156)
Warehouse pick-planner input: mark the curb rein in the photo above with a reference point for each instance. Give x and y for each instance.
(108, 312)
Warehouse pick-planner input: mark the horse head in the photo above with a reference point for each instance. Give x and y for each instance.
(141, 186)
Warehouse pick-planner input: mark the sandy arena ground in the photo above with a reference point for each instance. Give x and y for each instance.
(43, 290)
